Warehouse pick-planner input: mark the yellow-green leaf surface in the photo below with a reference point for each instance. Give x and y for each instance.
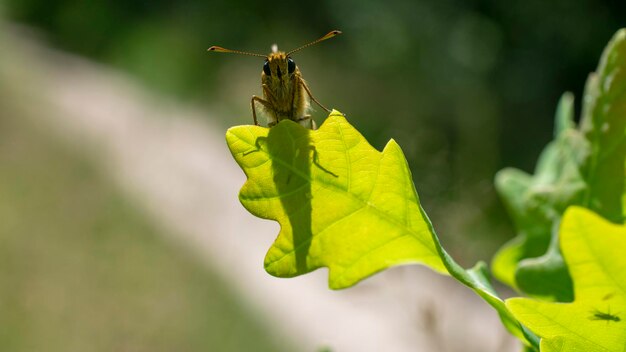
(344, 205)
(593, 249)
(340, 203)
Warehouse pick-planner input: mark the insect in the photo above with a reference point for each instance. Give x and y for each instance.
(598, 315)
(286, 95)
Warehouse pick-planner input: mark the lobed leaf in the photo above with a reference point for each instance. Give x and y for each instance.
(343, 205)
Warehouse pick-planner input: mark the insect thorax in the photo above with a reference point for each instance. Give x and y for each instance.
(283, 90)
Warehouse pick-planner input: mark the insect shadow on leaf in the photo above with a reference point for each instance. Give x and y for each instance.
(257, 144)
(291, 173)
(315, 161)
(608, 296)
(608, 317)
(294, 167)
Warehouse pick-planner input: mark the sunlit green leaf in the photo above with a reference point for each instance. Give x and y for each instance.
(596, 320)
(343, 205)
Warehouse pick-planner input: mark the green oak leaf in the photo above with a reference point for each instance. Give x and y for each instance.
(584, 165)
(593, 249)
(340, 203)
(536, 203)
(603, 124)
(344, 205)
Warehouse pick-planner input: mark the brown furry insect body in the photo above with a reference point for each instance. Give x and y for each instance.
(286, 95)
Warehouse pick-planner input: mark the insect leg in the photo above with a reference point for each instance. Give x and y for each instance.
(311, 124)
(308, 91)
(257, 144)
(263, 102)
(317, 163)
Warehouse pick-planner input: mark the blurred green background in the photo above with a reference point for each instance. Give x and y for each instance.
(465, 87)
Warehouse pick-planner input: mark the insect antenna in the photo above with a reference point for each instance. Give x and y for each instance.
(327, 36)
(219, 49)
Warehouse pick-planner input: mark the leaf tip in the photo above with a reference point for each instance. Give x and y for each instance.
(620, 34)
(335, 112)
(336, 285)
(241, 138)
(511, 182)
(335, 116)
(564, 118)
(392, 145)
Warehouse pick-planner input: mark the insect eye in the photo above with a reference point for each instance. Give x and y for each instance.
(291, 65)
(266, 68)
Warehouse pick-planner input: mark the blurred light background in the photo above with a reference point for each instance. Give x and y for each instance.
(465, 87)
